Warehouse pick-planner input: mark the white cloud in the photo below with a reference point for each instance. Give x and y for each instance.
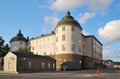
(110, 32)
(99, 4)
(62, 5)
(84, 32)
(50, 23)
(111, 54)
(66, 5)
(85, 17)
(51, 20)
(44, 29)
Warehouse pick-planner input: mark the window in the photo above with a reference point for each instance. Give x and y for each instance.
(56, 39)
(63, 37)
(63, 48)
(73, 28)
(43, 64)
(49, 65)
(53, 65)
(63, 28)
(73, 47)
(29, 64)
(20, 42)
(73, 37)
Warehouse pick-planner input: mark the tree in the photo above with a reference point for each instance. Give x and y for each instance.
(25, 50)
(5, 49)
(1, 45)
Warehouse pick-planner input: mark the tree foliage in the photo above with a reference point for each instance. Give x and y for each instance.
(1, 44)
(4, 49)
(25, 50)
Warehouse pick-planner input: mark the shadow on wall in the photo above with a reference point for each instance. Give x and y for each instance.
(70, 66)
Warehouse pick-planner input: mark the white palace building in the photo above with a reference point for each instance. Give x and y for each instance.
(70, 48)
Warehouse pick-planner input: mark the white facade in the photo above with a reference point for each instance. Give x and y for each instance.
(44, 45)
(68, 40)
(65, 41)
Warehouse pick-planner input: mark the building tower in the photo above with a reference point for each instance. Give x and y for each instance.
(18, 42)
(68, 43)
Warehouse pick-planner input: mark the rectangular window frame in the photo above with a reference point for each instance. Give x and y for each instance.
(63, 37)
(63, 28)
(56, 39)
(73, 47)
(63, 48)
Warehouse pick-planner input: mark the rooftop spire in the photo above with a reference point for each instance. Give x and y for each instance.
(19, 31)
(68, 13)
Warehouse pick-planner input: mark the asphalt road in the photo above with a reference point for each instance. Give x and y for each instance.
(82, 74)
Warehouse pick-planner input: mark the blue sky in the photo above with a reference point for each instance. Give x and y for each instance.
(100, 18)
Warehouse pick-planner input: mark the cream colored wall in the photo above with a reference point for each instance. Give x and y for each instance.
(88, 47)
(97, 49)
(44, 45)
(10, 62)
(83, 46)
(68, 40)
(93, 48)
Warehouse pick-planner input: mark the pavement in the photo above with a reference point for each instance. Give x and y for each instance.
(80, 74)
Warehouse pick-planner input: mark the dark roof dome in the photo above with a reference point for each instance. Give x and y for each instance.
(68, 20)
(18, 37)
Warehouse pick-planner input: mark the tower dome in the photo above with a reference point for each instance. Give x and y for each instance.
(68, 20)
(18, 42)
(18, 37)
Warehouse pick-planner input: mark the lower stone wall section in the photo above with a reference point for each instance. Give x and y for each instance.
(68, 61)
(74, 62)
